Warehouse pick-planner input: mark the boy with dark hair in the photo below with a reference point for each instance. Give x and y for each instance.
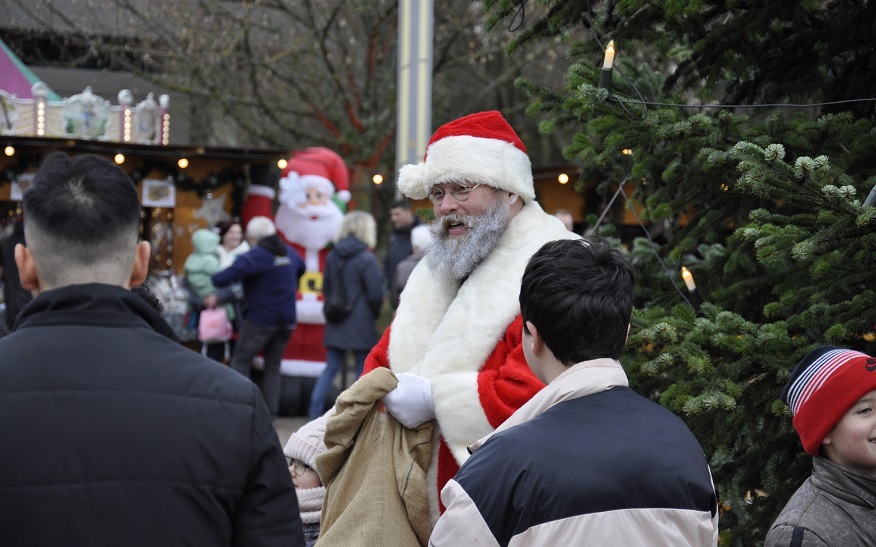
(832, 396)
(113, 433)
(586, 461)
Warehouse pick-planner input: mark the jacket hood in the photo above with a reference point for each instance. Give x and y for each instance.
(205, 241)
(349, 246)
(274, 244)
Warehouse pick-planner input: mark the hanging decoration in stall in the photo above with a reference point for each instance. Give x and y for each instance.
(202, 186)
(212, 210)
(158, 193)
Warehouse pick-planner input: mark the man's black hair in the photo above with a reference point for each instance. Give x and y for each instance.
(579, 296)
(82, 204)
(402, 204)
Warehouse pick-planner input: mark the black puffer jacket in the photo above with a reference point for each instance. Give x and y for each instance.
(358, 331)
(114, 434)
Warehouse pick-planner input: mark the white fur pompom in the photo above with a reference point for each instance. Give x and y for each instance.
(344, 195)
(412, 181)
(292, 190)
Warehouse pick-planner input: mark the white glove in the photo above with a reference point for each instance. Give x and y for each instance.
(411, 401)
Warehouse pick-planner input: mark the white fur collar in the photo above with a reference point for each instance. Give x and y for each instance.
(441, 327)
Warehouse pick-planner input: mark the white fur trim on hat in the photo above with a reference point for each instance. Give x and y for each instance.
(493, 162)
(258, 190)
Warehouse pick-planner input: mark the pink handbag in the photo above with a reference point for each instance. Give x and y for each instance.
(214, 326)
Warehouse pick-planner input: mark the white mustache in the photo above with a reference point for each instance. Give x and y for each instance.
(466, 220)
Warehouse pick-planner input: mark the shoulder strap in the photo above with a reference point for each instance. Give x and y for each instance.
(797, 537)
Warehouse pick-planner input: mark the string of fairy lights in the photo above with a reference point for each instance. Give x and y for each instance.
(605, 82)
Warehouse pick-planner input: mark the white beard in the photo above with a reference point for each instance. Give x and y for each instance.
(456, 257)
(311, 226)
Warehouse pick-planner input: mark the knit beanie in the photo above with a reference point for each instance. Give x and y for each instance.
(823, 387)
(480, 148)
(307, 443)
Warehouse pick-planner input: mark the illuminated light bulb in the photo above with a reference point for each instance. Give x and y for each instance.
(377, 179)
(609, 56)
(688, 279)
(628, 151)
(9, 151)
(183, 163)
(119, 158)
(282, 164)
(563, 178)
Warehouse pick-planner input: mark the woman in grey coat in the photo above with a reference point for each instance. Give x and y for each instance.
(353, 264)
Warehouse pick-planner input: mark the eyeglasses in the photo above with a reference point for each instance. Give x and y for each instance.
(459, 192)
(298, 466)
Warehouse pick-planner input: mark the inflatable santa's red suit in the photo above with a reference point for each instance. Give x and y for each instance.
(314, 190)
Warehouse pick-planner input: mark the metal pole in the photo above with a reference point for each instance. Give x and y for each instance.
(414, 112)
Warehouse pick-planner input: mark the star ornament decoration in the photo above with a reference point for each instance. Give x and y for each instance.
(212, 210)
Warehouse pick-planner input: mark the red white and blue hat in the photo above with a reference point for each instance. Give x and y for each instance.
(823, 387)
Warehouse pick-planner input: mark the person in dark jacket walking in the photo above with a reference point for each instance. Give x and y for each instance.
(270, 272)
(113, 432)
(421, 240)
(832, 396)
(14, 296)
(352, 264)
(403, 219)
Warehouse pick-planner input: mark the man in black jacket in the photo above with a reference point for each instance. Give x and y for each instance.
(403, 219)
(112, 432)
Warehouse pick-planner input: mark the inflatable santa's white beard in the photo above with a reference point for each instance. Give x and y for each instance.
(311, 226)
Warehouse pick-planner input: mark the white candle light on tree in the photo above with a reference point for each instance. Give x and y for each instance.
(609, 56)
(696, 300)
(688, 279)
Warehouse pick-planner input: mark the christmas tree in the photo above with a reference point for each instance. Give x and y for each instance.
(761, 200)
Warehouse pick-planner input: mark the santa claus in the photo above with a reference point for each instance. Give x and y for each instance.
(314, 191)
(455, 343)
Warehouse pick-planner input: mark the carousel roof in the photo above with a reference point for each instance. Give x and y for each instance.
(15, 78)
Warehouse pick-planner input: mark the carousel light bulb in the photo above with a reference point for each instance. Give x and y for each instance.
(119, 158)
(9, 150)
(563, 178)
(377, 179)
(183, 163)
(282, 164)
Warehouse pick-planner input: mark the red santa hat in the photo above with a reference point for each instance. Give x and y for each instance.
(481, 148)
(318, 167)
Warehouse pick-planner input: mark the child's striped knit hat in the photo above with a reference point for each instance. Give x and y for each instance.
(823, 387)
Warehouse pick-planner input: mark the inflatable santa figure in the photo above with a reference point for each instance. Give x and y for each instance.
(314, 190)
